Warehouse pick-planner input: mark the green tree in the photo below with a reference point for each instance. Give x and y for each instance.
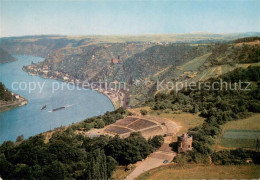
(23, 170)
(156, 141)
(56, 170)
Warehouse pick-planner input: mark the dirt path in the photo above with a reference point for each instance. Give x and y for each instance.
(154, 160)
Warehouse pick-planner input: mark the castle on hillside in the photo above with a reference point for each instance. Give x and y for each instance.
(184, 143)
(115, 61)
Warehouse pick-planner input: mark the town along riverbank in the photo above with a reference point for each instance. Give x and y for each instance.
(116, 96)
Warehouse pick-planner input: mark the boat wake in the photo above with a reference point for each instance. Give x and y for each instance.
(69, 105)
(62, 107)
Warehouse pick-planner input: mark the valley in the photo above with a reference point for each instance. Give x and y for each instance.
(129, 90)
(92, 60)
(143, 131)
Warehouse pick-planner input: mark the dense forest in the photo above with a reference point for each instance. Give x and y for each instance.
(68, 155)
(218, 107)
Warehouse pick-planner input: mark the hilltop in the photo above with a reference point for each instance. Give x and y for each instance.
(45, 44)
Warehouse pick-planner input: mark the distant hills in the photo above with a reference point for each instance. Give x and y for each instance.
(42, 45)
(5, 57)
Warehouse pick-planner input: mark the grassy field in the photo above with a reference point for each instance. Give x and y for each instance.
(203, 172)
(238, 143)
(184, 120)
(120, 173)
(250, 123)
(239, 134)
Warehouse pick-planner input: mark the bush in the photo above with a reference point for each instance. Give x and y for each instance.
(156, 141)
(143, 112)
(237, 156)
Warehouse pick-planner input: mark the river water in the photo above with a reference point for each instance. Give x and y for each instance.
(30, 120)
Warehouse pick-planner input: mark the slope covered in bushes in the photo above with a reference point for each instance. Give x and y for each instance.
(217, 106)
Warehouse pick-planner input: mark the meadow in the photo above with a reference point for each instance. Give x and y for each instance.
(182, 119)
(240, 134)
(203, 172)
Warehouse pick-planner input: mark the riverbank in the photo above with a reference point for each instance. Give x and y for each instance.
(30, 120)
(8, 105)
(116, 97)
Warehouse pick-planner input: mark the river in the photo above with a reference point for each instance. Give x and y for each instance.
(30, 120)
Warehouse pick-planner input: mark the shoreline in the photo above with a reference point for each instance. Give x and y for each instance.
(116, 104)
(12, 105)
(9, 61)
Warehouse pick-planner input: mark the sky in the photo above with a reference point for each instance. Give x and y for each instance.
(109, 17)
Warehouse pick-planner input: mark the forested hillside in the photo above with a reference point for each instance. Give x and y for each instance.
(118, 59)
(5, 57)
(248, 52)
(156, 58)
(218, 107)
(35, 45)
(146, 63)
(85, 62)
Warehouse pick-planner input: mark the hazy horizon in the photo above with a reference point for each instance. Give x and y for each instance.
(133, 35)
(77, 18)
